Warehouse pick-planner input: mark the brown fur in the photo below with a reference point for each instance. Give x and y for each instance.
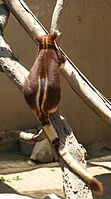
(46, 65)
(42, 93)
(96, 186)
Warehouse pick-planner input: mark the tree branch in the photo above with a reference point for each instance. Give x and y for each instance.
(21, 11)
(55, 17)
(29, 136)
(74, 187)
(78, 82)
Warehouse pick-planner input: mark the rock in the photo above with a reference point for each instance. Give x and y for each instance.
(26, 148)
(42, 152)
(9, 146)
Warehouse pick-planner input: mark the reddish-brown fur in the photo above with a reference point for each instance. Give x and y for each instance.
(96, 186)
(42, 93)
(47, 65)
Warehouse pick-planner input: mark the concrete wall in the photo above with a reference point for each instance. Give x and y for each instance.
(86, 39)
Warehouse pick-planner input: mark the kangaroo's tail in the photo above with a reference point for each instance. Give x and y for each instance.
(95, 184)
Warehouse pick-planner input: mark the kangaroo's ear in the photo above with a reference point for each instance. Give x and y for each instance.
(54, 35)
(38, 38)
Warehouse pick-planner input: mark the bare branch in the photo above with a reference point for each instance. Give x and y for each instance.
(16, 73)
(29, 136)
(4, 16)
(55, 17)
(87, 92)
(78, 82)
(73, 186)
(8, 61)
(21, 11)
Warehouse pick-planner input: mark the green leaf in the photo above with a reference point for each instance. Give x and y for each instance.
(2, 179)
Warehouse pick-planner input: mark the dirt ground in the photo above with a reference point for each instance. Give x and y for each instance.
(17, 176)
